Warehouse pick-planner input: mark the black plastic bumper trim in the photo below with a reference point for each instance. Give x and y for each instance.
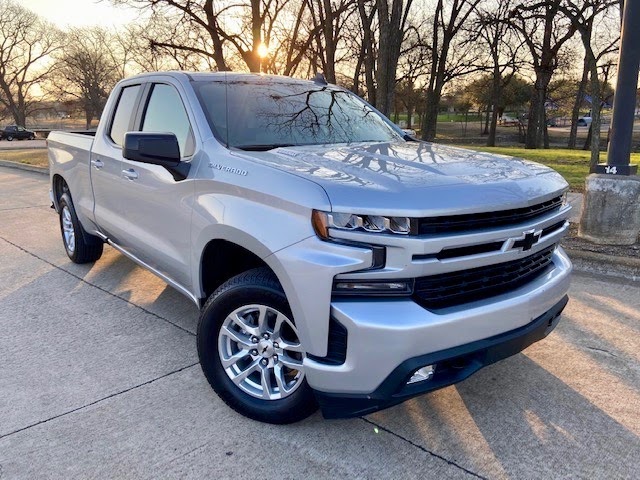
(452, 365)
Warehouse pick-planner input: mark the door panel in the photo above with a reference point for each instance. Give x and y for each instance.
(106, 164)
(155, 208)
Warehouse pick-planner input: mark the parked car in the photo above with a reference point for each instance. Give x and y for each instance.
(584, 121)
(11, 132)
(336, 261)
(507, 120)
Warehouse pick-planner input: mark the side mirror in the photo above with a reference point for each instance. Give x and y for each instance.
(158, 149)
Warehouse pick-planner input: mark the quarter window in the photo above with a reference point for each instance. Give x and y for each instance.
(124, 111)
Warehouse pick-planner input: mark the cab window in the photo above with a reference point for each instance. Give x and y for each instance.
(165, 113)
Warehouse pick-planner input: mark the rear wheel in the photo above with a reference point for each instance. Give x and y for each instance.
(9, 138)
(250, 351)
(80, 246)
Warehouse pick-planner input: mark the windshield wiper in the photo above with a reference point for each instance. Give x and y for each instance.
(264, 147)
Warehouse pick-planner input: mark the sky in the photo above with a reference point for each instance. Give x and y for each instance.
(81, 13)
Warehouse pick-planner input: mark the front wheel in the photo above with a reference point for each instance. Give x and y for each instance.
(81, 247)
(9, 138)
(250, 352)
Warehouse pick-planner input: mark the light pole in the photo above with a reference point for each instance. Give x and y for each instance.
(624, 102)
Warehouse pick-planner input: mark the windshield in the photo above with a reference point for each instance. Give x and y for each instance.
(261, 114)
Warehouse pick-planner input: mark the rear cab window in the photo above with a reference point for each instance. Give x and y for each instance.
(123, 115)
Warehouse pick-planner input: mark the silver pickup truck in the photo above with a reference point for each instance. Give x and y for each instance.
(336, 261)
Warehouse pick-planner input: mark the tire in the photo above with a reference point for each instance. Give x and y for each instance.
(9, 138)
(248, 297)
(32, 137)
(80, 246)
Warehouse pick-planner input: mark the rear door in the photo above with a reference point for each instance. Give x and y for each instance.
(156, 208)
(106, 163)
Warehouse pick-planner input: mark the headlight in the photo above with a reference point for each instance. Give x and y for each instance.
(565, 199)
(323, 221)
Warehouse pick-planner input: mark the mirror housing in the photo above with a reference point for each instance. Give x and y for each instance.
(157, 149)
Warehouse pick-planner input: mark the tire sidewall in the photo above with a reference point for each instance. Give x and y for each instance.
(294, 407)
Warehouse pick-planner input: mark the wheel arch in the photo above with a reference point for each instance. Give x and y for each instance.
(59, 187)
(221, 260)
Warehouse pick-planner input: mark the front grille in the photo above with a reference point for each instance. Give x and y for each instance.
(450, 289)
(476, 221)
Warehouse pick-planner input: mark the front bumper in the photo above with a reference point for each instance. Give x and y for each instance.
(452, 365)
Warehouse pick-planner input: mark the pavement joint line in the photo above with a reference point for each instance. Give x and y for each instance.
(425, 450)
(22, 429)
(97, 286)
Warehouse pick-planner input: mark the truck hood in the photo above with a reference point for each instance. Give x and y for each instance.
(416, 178)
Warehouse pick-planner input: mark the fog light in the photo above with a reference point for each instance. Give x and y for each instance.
(352, 287)
(422, 374)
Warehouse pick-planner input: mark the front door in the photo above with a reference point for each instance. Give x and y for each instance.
(155, 208)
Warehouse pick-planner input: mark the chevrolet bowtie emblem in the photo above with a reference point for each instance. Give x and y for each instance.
(527, 241)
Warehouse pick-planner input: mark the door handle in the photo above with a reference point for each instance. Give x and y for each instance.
(98, 164)
(130, 174)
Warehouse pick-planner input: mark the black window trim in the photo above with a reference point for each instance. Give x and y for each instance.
(132, 120)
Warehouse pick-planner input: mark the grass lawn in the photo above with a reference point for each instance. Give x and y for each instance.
(573, 165)
(33, 156)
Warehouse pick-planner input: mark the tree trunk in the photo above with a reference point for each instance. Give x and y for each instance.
(218, 53)
(255, 62)
(391, 32)
(575, 112)
(485, 129)
(535, 127)
(430, 115)
(596, 118)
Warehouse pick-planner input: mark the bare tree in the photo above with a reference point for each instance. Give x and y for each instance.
(503, 52)
(583, 16)
(448, 20)
(87, 69)
(545, 31)
(222, 22)
(26, 42)
(392, 19)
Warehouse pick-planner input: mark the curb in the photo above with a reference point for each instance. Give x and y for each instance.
(592, 262)
(24, 166)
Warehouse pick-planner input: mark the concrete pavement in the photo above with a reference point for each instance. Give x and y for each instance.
(99, 379)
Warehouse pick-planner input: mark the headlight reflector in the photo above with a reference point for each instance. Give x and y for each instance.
(323, 221)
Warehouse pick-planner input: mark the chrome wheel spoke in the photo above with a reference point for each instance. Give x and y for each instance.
(290, 347)
(243, 323)
(292, 363)
(244, 341)
(281, 381)
(262, 319)
(280, 319)
(242, 376)
(265, 381)
(233, 359)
